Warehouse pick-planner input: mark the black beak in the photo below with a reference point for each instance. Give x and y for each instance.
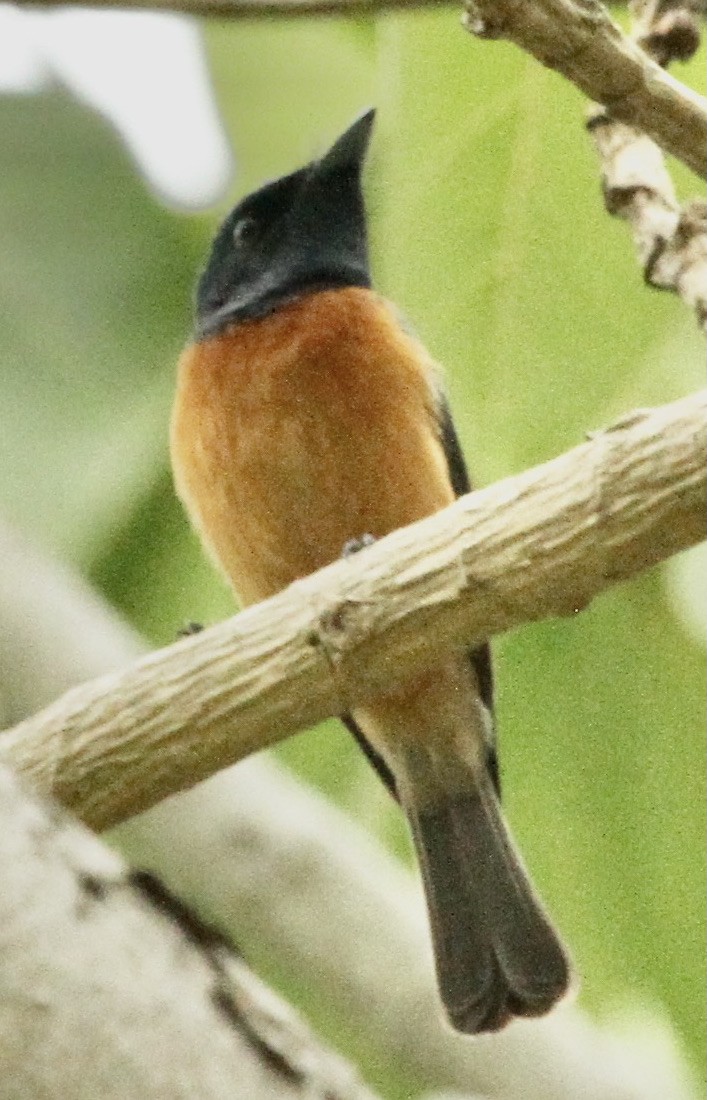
(348, 152)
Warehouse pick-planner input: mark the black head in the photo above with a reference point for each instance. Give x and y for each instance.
(304, 232)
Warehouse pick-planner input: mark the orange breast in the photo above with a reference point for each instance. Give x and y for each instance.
(294, 433)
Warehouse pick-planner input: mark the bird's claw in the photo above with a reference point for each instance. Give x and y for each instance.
(354, 545)
(190, 628)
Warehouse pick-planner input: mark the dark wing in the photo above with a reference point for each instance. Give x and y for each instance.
(374, 758)
(480, 656)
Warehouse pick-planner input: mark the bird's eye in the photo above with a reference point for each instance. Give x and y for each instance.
(245, 230)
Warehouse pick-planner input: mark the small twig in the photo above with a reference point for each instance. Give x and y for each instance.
(671, 243)
(258, 9)
(668, 30)
(532, 546)
(575, 37)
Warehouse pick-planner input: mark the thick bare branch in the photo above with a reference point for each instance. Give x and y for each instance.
(232, 842)
(151, 1003)
(580, 40)
(541, 544)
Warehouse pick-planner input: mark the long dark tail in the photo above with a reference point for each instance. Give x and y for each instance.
(497, 954)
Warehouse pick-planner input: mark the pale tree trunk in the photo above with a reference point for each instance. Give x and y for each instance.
(111, 990)
(291, 877)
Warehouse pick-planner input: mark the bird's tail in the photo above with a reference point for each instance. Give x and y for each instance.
(497, 953)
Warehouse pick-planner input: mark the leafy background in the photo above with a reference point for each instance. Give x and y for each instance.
(488, 230)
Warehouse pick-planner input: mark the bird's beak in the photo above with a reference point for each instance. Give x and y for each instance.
(348, 151)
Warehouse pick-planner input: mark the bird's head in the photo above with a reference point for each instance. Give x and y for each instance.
(301, 233)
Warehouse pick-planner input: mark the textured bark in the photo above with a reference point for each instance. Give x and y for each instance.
(579, 39)
(670, 242)
(111, 988)
(233, 842)
(537, 545)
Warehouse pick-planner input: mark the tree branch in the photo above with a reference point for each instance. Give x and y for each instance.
(670, 242)
(576, 37)
(257, 9)
(231, 843)
(537, 545)
(580, 40)
(151, 1003)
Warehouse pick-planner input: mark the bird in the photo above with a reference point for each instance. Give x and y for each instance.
(308, 418)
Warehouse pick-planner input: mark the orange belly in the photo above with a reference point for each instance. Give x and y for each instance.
(297, 432)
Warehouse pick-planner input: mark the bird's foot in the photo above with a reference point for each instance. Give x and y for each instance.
(190, 628)
(354, 545)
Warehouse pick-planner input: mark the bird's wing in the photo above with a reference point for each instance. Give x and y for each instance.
(479, 656)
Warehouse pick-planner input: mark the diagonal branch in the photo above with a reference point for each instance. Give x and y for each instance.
(540, 544)
(579, 39)
(670, 242)
(276, 865)
(106, 964)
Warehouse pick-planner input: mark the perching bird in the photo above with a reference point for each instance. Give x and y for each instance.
(306, 417)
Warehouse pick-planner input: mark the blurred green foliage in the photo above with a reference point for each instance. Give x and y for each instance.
(489, 231)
